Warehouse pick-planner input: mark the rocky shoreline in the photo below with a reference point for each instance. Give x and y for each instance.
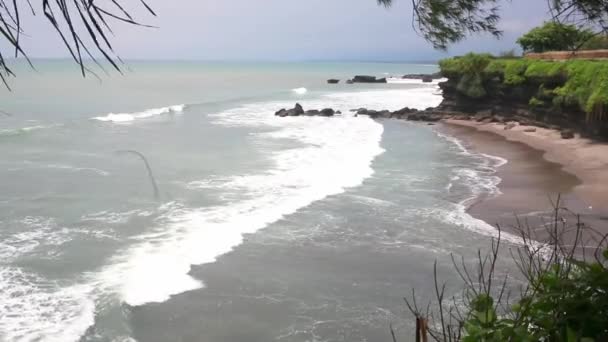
(425, 78)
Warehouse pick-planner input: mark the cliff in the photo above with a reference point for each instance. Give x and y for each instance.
(571, 94)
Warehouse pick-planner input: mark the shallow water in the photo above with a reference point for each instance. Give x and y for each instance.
(296, 229)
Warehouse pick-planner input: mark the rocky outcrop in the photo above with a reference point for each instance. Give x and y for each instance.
(333, 81)
(513, 103)
(368, 79)
(299, 111)
(295, 111)
(423, 77)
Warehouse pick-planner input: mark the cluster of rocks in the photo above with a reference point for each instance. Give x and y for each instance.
(426, 78)
(297, 110)
(359, 79)
(510, 121)
(411, 114)
(432, 115)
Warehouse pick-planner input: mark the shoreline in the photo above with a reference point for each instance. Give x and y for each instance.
(541, 165)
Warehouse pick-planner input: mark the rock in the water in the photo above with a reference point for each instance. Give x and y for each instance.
(312, 112)
(327, 112)
(333, 81)
(567, 134)
(530, 130)
(368, 79)
(510, 126)
(338, 112)
(349, 82)
(427, 79)
(405, 110)
(362, 111)
(296, 111)
(281, 112)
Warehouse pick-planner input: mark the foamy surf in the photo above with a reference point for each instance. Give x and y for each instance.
(34, 309)
(337, 155)
(129, 117)
(299, 91)
(24, 130)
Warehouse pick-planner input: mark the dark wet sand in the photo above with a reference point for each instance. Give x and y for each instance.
(530, 185)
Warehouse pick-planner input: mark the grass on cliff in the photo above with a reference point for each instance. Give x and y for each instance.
(582, 83)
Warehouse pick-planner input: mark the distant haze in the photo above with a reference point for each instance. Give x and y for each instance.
(285, 30)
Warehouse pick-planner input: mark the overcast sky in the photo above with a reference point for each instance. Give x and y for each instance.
(287, 30)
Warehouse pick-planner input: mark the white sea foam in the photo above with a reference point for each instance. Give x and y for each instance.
(300, 91)
(129, 117)
(23, 130)
(481, 180)
(63, 167)
(336, 155)
(34, 309)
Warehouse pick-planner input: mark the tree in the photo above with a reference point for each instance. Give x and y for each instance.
(597, 42)
(553, 36)
(443, 22)
(83, 25)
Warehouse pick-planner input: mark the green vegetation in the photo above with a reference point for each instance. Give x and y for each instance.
(553, 36)
(581, 83)
(596, 43)
(443, 22)
(560, 294)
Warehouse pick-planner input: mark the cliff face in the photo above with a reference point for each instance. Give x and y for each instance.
(538, 92)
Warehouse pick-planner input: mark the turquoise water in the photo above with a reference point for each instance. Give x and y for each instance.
(263, 228)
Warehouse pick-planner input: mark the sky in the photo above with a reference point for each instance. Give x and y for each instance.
(284, 30)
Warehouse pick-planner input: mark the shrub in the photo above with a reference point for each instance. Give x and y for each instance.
(596, 43)
(536, 103)
(554, 36)
(515, 71)
(563, 298)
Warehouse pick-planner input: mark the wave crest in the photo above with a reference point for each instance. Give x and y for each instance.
(129, 117)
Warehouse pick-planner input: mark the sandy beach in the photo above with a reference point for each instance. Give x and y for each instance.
(541, 165)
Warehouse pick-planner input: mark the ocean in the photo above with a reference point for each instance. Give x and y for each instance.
(246, 227)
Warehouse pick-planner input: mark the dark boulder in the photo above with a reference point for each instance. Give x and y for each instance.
(312, 112)
(404, 111)
(427, 79)
(424, 116)
(281, 112)
(333, 81)
(295, 111)
(530, 130)
(327, 112)
(349, 82)
(567, 134)
(368, 79)
(362, 111)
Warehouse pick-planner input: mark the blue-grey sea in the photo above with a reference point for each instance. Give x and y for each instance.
(250, 227)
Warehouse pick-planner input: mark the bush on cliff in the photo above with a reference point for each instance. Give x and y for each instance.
(553, 36)
(560, 295)
(580, 83)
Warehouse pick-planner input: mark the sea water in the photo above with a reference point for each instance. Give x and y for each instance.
(246, 226)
